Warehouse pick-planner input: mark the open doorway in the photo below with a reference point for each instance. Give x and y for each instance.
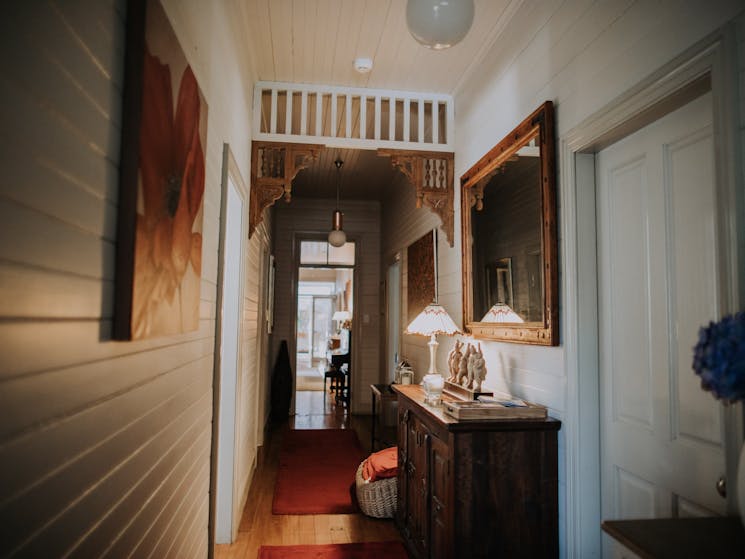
(325, 307)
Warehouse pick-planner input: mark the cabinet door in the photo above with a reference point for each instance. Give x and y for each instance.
(417, 489)
(402, 507)
(440, 505)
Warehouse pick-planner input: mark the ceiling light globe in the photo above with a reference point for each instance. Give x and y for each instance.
(439, 24)
(337, 238)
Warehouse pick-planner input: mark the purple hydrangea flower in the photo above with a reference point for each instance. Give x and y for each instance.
(719, 357)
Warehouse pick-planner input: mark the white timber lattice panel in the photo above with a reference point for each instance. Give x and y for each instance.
(353, 117)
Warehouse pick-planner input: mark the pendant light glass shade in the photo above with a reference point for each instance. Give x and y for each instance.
(337, 237)
(439, 24)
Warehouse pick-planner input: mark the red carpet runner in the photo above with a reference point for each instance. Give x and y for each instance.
(316, 471)
(369, 550)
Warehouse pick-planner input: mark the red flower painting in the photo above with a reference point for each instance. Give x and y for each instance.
(168, 246)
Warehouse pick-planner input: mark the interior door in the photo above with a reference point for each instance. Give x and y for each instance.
(662, 437)
(226, 524)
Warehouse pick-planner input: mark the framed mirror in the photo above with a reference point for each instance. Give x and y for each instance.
(508, 220)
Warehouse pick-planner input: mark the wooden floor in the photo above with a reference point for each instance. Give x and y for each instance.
(260, 527)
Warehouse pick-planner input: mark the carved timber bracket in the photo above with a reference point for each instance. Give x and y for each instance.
(431, 174)
(273, 166)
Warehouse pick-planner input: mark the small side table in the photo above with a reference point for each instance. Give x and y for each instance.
(381, 393)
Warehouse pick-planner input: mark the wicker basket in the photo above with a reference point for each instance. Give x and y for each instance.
(376, 498)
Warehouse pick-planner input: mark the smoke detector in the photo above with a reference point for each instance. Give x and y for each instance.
(363, 65)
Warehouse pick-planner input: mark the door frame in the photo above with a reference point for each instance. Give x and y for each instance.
(392, 298)
(230, 173)
(297, 238)
(710, 64)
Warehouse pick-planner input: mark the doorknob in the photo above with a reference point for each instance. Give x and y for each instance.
(722, 487)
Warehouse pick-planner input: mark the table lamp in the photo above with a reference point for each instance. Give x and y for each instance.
(433, 320)
(341, 317)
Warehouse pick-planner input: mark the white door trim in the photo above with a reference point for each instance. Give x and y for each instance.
(710, 63)
(392, 318)
(223, 520)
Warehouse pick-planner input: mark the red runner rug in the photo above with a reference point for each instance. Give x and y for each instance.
(368, 550)
(316, 472)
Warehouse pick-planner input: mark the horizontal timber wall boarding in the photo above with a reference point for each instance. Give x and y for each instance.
(104, 446)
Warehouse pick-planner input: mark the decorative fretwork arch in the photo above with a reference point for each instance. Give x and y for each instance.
(275, 164)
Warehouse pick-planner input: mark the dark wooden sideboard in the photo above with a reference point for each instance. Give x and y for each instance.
(475, 488)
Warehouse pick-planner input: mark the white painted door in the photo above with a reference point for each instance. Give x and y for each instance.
(662, 437)
(226, 523)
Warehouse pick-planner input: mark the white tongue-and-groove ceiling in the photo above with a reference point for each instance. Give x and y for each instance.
(316, 42)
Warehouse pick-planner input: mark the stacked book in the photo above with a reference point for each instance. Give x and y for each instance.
(490, 407)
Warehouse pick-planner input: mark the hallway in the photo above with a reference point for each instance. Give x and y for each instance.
(260, 527)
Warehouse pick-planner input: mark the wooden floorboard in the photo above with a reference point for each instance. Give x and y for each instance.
(259, 526)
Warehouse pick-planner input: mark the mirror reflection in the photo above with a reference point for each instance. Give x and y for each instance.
(507, 271)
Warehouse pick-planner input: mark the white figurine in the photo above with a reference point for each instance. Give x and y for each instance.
(454, 358)
(463, 366)
(477, 365)
(465, 370)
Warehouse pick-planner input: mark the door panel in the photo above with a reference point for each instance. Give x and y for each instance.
(636, 496)
(439, 480)
(630, 371)
(692, 239)
(402, 511)
(662, 440)
(417, 486)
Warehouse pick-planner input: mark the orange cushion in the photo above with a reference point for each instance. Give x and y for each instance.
(382, 464)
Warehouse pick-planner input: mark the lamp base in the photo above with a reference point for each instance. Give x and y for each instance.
(432, 355)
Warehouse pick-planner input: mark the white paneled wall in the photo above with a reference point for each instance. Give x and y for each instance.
(581, 55)
(362, 224)
(104, 446)
(404, 223)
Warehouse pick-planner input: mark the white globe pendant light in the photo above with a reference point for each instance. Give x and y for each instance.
(439, 24)
(337, 237)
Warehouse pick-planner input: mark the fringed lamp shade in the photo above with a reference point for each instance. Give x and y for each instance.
(341, 316)
(501, 313)
(431, 321)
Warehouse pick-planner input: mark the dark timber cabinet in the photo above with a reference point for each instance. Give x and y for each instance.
(477, 488)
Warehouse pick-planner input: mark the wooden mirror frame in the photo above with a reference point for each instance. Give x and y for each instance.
(473, 181)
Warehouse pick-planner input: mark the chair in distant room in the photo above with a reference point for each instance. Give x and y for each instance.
(338, 373)
(336, 376)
